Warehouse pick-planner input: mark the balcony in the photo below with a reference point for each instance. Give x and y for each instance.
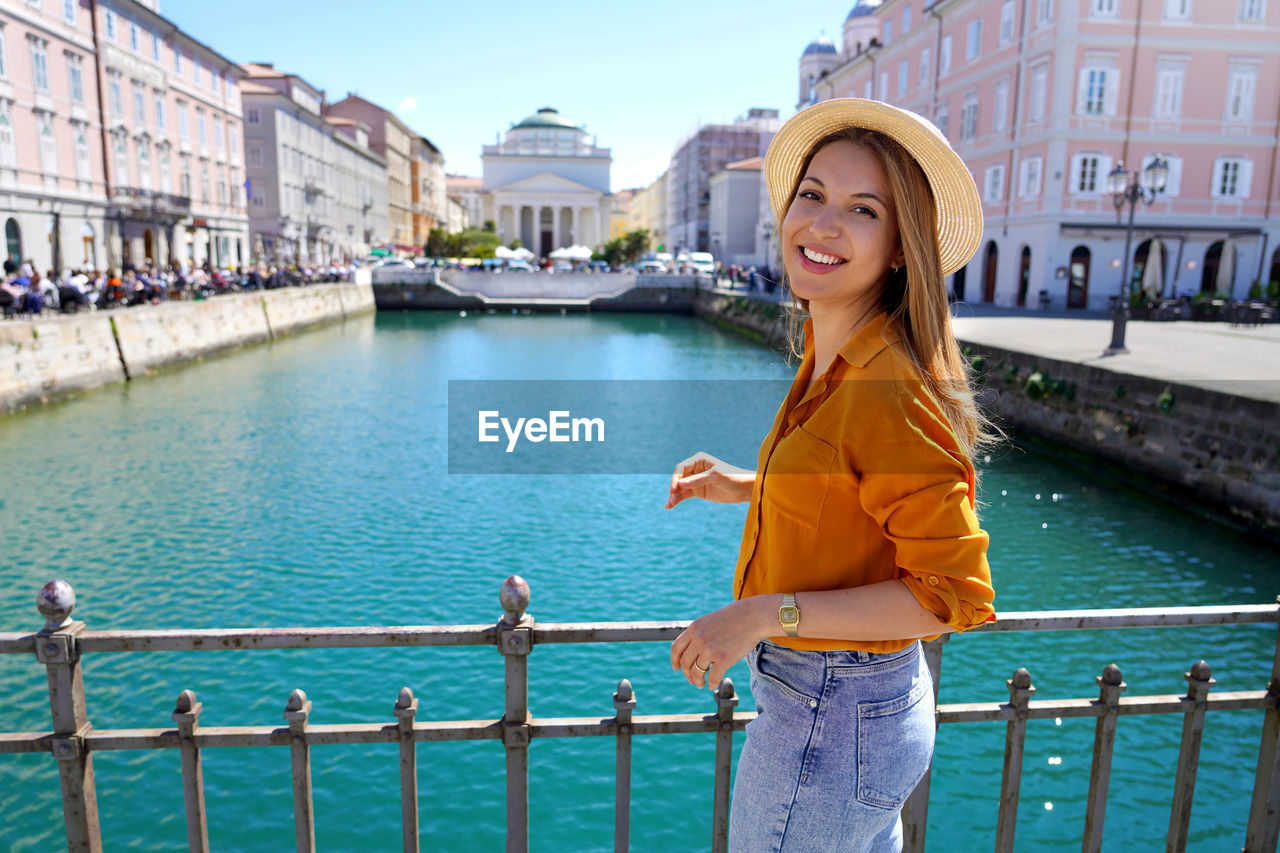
(147, 201)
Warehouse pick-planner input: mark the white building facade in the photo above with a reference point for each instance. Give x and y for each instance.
(735, 213)
(547, 185)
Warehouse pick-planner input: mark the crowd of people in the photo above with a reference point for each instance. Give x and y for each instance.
(25, 292)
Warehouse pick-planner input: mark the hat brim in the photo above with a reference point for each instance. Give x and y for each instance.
(956, 200)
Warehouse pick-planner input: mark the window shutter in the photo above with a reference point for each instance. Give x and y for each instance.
(1113, 91)
(1246, 177)
(1082, 92)
(1077, 164)
(1215, 185)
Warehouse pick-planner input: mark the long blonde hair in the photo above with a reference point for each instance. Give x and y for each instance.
(914, 296)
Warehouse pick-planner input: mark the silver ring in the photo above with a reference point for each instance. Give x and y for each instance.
(701, 669)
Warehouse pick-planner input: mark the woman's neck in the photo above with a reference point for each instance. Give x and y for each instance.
(835, 324)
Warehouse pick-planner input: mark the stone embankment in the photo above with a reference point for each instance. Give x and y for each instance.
(403, 289)
(51, 358)
(1213, 452)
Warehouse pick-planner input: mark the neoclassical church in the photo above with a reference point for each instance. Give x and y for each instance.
(546, 184)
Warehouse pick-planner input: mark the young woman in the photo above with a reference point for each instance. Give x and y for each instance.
(861, 535)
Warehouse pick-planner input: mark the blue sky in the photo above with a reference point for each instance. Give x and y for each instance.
(640, 76)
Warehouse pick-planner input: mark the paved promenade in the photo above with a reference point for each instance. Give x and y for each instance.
(1239, 360)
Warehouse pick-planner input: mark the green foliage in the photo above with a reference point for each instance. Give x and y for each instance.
(978, 363)
(1166, 401)
(1070, 392)
(1011, 375)
(1273, 290)
(624, 250)
(471, 243)
(1037, 386)
(1206, 296)
(1255, 291)
(489, 226)
(1120, 392)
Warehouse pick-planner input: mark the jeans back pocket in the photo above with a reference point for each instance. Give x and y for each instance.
(895, 746)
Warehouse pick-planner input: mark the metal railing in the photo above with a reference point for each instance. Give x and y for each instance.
(62, 643)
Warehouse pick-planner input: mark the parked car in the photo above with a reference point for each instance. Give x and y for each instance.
(393, 262)
(703, 262)
(520, 266)
(651, 267)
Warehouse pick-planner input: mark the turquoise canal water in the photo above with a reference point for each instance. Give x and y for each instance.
(306, 483)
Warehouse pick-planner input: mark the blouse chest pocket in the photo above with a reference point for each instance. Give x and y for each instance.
(798, 476)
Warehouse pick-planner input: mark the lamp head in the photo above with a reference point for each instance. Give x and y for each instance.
(1118, 180)
(1156, 174)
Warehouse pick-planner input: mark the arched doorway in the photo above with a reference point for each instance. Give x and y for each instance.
(1078, 280)
(957, 284)
(1209, 269)
(1024, 276)
(1274, 275)
(90, 249)
(148, 246)
(989, 272)
(13, 240)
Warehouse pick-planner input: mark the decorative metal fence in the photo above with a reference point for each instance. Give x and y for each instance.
(62, 643)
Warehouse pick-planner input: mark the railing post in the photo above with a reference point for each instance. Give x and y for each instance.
(726, 699)
(1020, 693)
(1111, 685)
(515, 640)
(1264, 810)
(296, 712)
(187, 715)
(915, 812)
(624, 702)
(1199, 683)
(56, 648)
(406, 708)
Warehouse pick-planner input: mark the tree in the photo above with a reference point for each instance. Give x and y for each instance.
(489, 226)
(436, 243)
(634, 244)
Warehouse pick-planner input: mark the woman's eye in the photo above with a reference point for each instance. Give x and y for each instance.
(864, 211)
(809, 194)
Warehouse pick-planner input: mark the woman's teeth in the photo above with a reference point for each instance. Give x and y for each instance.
(819, 258)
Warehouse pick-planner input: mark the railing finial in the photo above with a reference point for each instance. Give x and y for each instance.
(1111, 675)
(514, 596)
(186, 701)
(405, 699)
(55, 601)
(1200, 671)
(1021, 678)
(297, 699)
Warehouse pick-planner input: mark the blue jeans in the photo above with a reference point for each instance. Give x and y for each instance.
(841, 740)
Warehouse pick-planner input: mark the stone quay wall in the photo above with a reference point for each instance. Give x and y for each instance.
(51, 358)
(1213, 452)
(429, 290)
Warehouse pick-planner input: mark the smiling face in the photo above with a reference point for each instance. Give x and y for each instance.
(840, 234)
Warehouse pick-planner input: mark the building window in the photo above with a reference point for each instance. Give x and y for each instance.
(1169, 82)
(944, 56)
(69, 10)
(182, 121)
(234, 134)
(122, 163)
(82, 157)
(993, 185)
(1029, 181)
(903, 73)
(1044, 12)
(139, 105)
(144, 166)
(8, 146)
(1006, 22)
(177, 61)
(117, 97)
(1177, 10)
(884, 86)
(3, 72)
(888, 31)
(942, 118)
(217, 133)
(974, 45)
(155, 47)
(204, 182)
(252, 116)
(1085, 173)
(200, 128)
(906, 20)
(40, 63)
(1039, 90)
(48, 149)
(111, 24)
(1000, 117)
(160, 111)
(1103, 8)
(1097, 94)
(195, 71)
(1231, 176)
(166, 178)
(1240, 88)
(969, 118)
(255, 155)
(75, 73)
(135, 39)
(924, 65)
(1253, 11)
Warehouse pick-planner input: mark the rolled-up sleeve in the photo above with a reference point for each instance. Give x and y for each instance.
(919, 488)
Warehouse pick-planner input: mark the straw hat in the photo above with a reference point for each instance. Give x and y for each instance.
(958, 204)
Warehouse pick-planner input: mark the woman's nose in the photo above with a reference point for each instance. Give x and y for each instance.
(825, 223)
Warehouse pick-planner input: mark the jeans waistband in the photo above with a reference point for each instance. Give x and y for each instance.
(839, 657)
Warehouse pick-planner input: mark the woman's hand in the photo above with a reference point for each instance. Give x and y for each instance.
(720, 639)
(704, 476)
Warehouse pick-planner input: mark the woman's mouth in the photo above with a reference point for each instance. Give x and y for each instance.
(821, 259)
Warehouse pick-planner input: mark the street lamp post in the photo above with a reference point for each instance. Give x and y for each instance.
(1130, 188)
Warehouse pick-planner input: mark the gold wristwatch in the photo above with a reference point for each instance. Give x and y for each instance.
(789, 615)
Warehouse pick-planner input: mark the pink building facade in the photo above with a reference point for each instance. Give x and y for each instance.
(52, 189)
(120, 139)
(1042, 98)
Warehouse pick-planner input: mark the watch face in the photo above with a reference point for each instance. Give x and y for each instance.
(789, 614)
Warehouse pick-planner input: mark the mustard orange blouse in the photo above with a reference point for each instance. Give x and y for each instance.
(862, 480)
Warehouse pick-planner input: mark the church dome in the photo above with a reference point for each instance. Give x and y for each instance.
(547, 117)
(819, 46)
(864, 8)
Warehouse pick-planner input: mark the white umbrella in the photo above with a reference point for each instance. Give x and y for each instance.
(1153, 272)
(1226, 269)
(503, 253)
(572, 253)
(522, 254)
